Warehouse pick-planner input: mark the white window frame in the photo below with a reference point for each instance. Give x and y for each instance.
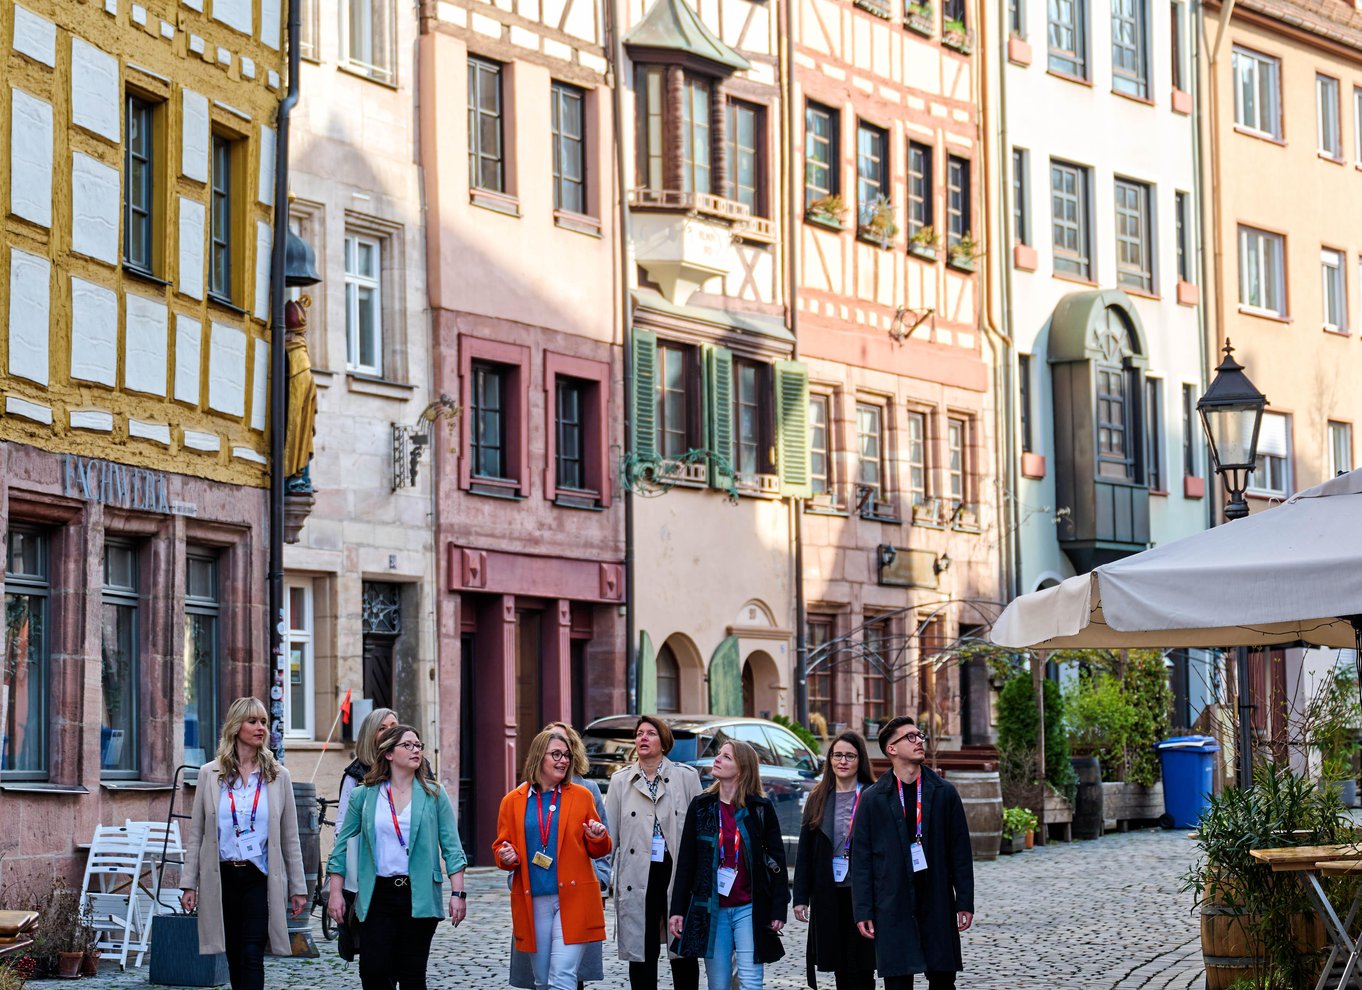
(1250, 67)
(1328, 129)
(1272, 473)
(1270, 272)
(354, 281)
(1357, 124)
(1340, 432)
(304, 636)
(380, 65)
(1334, 289)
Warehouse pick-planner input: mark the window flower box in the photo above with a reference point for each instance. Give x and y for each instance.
(920, 18)
(955, 35)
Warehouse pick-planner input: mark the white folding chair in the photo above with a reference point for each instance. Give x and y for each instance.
(110, 892)
(163, 848)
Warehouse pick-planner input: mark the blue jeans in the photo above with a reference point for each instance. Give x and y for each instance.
(555, 961)
(733, 934)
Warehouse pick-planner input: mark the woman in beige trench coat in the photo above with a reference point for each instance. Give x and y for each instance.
(231, 861)
(645, 809)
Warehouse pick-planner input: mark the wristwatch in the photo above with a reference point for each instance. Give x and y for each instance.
(460, 894)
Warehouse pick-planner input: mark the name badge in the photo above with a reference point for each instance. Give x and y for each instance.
(659, 852)
(919, 857)
(542, 860)
(840, 866)
(727, 877)
(250, 845)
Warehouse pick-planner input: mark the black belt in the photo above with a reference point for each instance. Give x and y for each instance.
(400, 880)
(237, 862)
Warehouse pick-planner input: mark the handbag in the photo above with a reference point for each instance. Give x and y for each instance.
(347, 935)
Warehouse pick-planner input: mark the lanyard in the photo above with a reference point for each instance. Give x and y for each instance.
(546, 826)
(652, 793)
(231, 799)
(851, 823)
(737, 839)
(899, 787)
(396, 827)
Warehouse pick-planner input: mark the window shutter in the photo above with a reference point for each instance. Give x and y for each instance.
(792, 428)
(647, 674)
(719, 361)
(645, 395)
(725, 678)
(1272, 436)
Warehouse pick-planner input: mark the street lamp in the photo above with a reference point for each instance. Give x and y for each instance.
(1231, 412)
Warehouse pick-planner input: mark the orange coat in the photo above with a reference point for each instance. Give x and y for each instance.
(579, 892)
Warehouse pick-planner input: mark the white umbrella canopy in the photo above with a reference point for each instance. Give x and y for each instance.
(1292, 573)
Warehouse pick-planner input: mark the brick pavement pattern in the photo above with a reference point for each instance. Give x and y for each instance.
(1103, 915)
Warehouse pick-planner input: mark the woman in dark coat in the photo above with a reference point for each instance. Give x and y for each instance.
(731, 890)
(822, 882)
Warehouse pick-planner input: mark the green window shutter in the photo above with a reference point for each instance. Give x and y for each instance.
(792, 428)
(645, 395)
(647, 675)
(725, 679)
(719, 378)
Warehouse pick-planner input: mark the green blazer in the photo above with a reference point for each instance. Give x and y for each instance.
(434, 833)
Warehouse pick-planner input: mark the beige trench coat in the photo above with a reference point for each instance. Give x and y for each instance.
(629, 811)
(285, 859)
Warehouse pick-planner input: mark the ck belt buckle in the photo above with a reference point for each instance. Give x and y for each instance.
(401, 881)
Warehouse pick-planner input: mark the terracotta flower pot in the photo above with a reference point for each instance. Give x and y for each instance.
(68, 965)
(89, 963)
(1030, 838)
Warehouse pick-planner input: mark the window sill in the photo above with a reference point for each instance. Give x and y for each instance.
(1337, 331)
(585, 501)
(578, 223)
(873, 7)
(227, 304)
(151, 786)
(881, 518)
(760, 485)
(1264, 314)
(142, 275)
(832, 223)
(357, 381)
(1332, 159)
(497, 202)
(1182, 102)
(367, 75)
(825, 509)
(1025, 258)
(323, 377)
(1161, 492)
(1260, 135)
(1077, 279)
(1018, 51)
(1141, 293)
(1133, 97)
(41, 787)
(1069, 78)
(924, 252)
(1188, 294)
(1193, 487)
(496, 488)
(867, 237)
(965, 265)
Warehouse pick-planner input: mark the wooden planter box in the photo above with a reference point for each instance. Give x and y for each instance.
(1013, 844)
(1124, 804)
(1059, 816)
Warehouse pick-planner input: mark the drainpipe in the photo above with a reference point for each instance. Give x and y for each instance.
(614, 20)
(279, 389)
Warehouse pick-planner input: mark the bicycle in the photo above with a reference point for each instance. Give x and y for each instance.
(321, 895)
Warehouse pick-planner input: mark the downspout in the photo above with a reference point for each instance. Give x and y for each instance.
(279, 387)
(625, 241)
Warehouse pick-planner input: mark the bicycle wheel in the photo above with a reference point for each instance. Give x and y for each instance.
(328, 926)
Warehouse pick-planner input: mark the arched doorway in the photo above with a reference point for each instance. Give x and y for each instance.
(760, 685)
(680, 658)
(668, 681)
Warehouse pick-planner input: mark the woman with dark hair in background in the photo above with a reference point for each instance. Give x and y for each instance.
(822, 880)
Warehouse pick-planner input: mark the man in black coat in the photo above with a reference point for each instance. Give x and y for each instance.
(912, 871)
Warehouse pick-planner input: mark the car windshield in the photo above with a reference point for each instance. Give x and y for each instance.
(609, 747)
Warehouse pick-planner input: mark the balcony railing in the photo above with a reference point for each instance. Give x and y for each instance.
(745, 224)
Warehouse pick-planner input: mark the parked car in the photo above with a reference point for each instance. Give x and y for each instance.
(789, 769)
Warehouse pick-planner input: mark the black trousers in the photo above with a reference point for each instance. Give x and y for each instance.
(935, 981)
(643, 975)
(394, 946)
(245, 924)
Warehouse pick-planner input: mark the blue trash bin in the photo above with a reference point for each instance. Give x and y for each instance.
(1188, 764)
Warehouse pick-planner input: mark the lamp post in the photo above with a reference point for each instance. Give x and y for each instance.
(1231, 413)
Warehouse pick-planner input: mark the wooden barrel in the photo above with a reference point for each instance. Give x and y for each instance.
(982, 796)
(1229, 950)
(1088, 804)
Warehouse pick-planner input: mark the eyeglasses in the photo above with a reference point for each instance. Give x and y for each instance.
(912, 737)
(412, 747)
(844, 757)
(559, 755)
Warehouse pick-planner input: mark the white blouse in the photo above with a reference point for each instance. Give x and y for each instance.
(229, 845)
(390, 858)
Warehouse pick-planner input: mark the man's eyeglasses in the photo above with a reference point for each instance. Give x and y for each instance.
(559, 755)
(844, 757)
(912, 737)
(412, 747)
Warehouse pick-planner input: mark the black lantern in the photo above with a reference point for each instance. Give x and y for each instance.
(1231, 412)
(300, 263)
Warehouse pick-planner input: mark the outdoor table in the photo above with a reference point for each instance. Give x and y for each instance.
(1312, 863)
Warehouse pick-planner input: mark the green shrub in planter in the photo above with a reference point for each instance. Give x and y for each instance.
(1099, 718)
(805, 736)
(1145, 684)
(1018, 821)
(1017, 733)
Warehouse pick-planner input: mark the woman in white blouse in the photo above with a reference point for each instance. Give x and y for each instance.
(242, 860)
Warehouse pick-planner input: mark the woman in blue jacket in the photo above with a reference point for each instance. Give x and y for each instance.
(405, 824)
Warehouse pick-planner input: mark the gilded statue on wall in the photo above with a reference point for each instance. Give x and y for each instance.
(302, 393)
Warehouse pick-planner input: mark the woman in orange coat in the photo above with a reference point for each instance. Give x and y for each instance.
(548, 834)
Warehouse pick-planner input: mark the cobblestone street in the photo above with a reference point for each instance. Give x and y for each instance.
(1102, 915)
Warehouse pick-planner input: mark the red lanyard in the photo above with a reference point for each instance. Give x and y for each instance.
(396, 827)
(737, 839)
(851, 823)
(547, 826)
(231, 799)
(899, 787)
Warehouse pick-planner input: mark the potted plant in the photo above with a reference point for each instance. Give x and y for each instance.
(925, 242)
(878, 223)
(89, 939)
(955, 35)
(1330, 722)
(918, 17)
(58, 942)
(1017, 823)
(962, 253)
(830, 211)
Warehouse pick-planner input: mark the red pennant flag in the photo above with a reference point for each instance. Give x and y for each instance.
(345, 708)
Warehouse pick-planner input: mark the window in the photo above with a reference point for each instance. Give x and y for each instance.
(298, 692)
(570, 399)
(820, 154)
(119, 668)
(1114, 441)
(569, 148)
(1068, 37)
(139, 184)
(953, 11)
(820, 446)
(1357, 124)
(870, 449)
(746, 140)
(367, 39)
(307, 33)
(221, 215)
(876, 684)
(1176, 52)
(1190, 426)
(1272, 471)
(1182, 208)
(1021, 196)
(957, 461)
(363, 305)
(917, 459)
(695, 136)
(1262, 273)
(1257, 93)
(202, 649)
(752, 442)
(1153, 436)
(872, 169)
(1134, 251)
(650, 81)
(958, 219)
(1069, 219)
(1340, 448)
(1326, 117)
(818, 633)
(1024, 401)
(1331, 264)
(577, 390)
(1016, 18)
(673, 401)
(486, 166)
(920, 189)
(23, 703)
(489, 433)
(1129, 47)
(668, 681)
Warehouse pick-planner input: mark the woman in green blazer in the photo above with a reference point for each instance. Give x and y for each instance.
(405, 824)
